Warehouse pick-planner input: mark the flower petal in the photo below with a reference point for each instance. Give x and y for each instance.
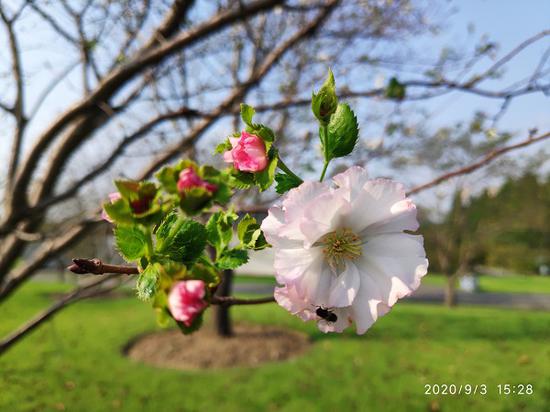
(402, 217)
(367, 306)
(283, 223)
(344, 287)
(344, 320)
(352, 181)
(323, 217)
(272, 226)
(314, 284)
(288, 298)
(374, 204)
(290, 264)
(397, 262)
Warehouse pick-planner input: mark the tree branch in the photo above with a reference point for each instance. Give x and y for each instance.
(489, 157)
(232, 300)
(19, 105)
(238, 94)
(113, 82)
(506, 58)
(95, 266)
(76, 295)
(41, 256)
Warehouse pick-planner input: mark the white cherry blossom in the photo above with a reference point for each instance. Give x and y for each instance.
(343, 248)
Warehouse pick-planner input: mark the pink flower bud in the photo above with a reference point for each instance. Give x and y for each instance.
(113, 197)
(186, 300)
(189, 179)
(248, 153)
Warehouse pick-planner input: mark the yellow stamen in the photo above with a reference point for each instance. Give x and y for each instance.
(339, 246)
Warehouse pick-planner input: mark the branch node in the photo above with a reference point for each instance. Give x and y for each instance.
(84, 266)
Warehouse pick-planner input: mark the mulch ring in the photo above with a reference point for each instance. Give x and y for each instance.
(251, 345)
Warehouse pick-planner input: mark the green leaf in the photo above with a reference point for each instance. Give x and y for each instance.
(250, 234)
(247, 113)
(147, 283)
(181, 239)
(163, 231)
(167, 176)
(341, 134)
(241, 180)
(264, 179)
(196, 325)
(163, 317)
(188, 242)
(131, 242)
(212, 234)
(395, 90)
(286, 182)
(205, 273)
(223, 147)
(128, 189)
(263, 132)
(232, 259)
(257, 129)
(171, 271)
(120, 212)
(160, 303)
(194, 200)
(324, 103)
(219, 230)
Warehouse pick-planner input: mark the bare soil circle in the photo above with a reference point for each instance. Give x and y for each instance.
(251, 345)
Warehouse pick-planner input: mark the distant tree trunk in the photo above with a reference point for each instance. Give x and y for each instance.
(450, 291)
(224, 326)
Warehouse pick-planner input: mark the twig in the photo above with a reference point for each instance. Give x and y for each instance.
(232, 300)
(84, 292)
(489, 157)
(97, 267)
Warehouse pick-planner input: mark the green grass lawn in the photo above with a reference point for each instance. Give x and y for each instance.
(504, 284)
(74, 362)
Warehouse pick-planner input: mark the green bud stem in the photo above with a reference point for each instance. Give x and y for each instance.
(323, 134)
(324, 171)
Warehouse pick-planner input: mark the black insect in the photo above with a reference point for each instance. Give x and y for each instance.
(326, 314)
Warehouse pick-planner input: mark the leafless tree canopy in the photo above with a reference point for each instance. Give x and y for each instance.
(90, 90)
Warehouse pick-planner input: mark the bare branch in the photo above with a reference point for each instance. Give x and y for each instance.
(95, 266)
(85, 292)
(171, 23)
(489, 157)
(52, 22)
(109, 86)
(232, 300)
(238, 94)
(50, 87)
(505, 59)
(42, 254)
(5, 107)
(19, 105)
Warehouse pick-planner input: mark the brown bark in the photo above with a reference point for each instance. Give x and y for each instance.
(224, 326)
(450, 299)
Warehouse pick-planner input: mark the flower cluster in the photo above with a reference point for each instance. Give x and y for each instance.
(341, 252)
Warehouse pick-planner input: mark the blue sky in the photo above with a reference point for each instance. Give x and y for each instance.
(508, 22)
